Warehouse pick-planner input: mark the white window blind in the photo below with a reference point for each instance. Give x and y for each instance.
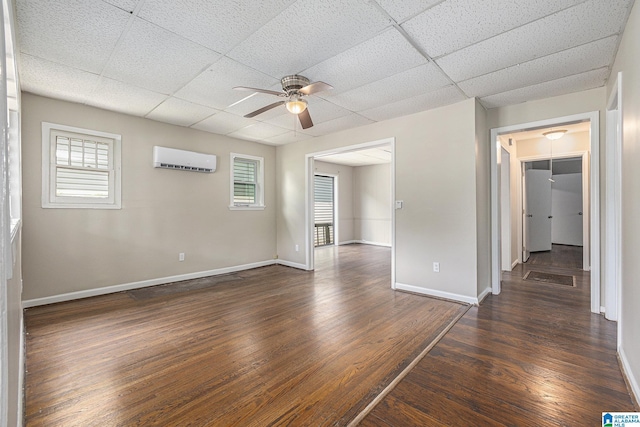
(323, 210)
(245, 173)
(247, 182)
(83, 168)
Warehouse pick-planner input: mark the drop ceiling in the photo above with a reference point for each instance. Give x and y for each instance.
(177, 61)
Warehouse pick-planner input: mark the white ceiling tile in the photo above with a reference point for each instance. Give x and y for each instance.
(218, 25)
(575, 83)
(319, 110)
(156, 59)
(287, 138)
(543, 37)
(425, 78)
(79, 33)
(214, 86)
(371, 156)
(577, 60)
(223, 123)
(342, 123)
(455, 24)
(124, 98)
(400, 10)
(306, 33)
(383, 55)
(127, 5)
(179, 112)
(256, 101)
(427, 101)
(54, 80)
(258, 132)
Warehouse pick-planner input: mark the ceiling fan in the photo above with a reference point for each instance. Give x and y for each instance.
(294, 89)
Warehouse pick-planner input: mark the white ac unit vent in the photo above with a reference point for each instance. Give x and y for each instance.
(172, 158)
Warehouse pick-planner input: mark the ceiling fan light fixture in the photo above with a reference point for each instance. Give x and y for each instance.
(296, 105)
(555, 134)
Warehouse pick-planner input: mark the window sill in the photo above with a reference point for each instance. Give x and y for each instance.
(246, 208)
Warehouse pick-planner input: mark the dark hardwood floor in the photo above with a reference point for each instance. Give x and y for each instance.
(532, 356)
(270, 346)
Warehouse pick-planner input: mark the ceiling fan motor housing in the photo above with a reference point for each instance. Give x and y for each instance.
(291, 84)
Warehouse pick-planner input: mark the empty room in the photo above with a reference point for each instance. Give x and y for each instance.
(318, 213)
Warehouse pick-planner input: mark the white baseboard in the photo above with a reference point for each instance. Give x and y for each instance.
(514, 264)
(633, 381)
(484, 294)
(291, 264)
(436, 293)
(367, 242)
(602, 310)
(348, 242)
(142, 284)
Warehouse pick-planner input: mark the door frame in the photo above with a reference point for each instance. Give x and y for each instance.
(613, 207)
(594, 195)
(309, 173)
(584, 156)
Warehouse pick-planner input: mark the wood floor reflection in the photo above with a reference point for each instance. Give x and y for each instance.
(269, 346)
(533, 355)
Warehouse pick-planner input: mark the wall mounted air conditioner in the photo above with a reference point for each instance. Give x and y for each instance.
(172, 158)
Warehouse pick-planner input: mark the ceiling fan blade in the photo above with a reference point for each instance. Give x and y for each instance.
(255, 89)
(263, 109)
(315, 87)
(305, 119)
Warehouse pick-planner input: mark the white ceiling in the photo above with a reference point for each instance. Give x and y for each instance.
(177, 61)
(365, 157)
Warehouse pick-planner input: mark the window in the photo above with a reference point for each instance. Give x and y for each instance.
(247, 182)
(323, 196)
(80, 168)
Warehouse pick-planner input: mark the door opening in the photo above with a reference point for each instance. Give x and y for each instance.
(589, 152)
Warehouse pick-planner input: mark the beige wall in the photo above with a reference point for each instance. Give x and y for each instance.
(628, 61)
(569, 143)
(164, 212)
(372, 204)
(345, 197)
(435, 154)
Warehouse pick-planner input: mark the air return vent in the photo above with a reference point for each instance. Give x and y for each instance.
(172, 158)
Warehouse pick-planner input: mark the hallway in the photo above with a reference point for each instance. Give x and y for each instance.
(533, 355)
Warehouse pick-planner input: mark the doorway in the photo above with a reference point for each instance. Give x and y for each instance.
(369, 166)
(553, 205)
(591, 170)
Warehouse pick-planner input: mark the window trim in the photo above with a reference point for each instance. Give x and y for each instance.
(259, 204)
(49, 199)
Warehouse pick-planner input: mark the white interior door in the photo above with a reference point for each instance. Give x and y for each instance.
(538, 210)
(566, 202)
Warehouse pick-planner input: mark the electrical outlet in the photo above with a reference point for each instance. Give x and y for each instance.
(436, 267)
(297, 248)
(181, 256)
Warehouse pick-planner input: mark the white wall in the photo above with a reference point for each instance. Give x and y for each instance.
(483, 200)
(435, 153)
(345, 197)
(372, 204)
(628, 62)
(164, 212)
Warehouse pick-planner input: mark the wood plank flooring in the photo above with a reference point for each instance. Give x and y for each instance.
(270, 346)
(533, 355)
